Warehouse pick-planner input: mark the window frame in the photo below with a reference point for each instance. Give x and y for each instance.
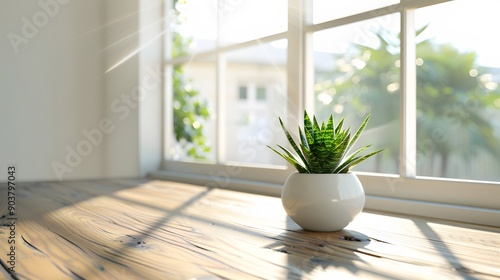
(406, 193)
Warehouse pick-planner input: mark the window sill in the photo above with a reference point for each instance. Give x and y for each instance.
(374, 201)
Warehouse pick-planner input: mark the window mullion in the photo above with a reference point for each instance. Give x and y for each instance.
(220, 152)
(408, 106)
(295, 58)
(168, 112)
(308, 54)
(219, 89)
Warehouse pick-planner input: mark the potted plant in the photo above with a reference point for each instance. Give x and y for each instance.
(323, 195)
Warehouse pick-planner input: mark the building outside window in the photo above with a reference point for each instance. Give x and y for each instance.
(261, 93)
(242, 92)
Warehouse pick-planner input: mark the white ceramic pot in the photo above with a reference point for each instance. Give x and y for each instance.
(323, 202)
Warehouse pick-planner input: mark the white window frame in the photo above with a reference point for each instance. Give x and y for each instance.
(460, 200)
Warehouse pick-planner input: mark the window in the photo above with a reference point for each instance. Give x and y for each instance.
(261, 93)
(242, 92)
(427, 72)
(209, 59)
(457, 93)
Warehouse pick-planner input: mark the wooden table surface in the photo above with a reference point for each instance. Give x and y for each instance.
(146, 229)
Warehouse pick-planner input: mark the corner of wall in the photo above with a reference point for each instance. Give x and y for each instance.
(133, 79)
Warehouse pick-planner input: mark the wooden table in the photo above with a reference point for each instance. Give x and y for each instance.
(142, 229)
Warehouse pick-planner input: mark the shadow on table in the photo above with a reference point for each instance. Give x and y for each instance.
(318, 254)
(35, 199)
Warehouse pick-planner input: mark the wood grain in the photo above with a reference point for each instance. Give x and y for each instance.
(142, 229)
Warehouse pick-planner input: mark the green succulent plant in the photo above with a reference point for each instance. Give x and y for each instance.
(324, 149)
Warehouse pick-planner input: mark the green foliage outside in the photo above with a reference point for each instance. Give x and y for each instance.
(451, 102)
(190, 109)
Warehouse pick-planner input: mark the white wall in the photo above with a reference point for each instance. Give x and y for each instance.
(56, 119)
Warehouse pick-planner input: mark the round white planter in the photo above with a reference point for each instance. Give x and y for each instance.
(323, 202)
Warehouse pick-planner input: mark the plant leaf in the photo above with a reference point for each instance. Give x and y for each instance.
(338, 129)
(307, 155)
(303, 139)
(292, 142)
(288, 156)
(296, 159)
(350, 158)
(358, 132)
(308, 129)
(340, 149)
(358, 160)
(328, 133)
(318, 137)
